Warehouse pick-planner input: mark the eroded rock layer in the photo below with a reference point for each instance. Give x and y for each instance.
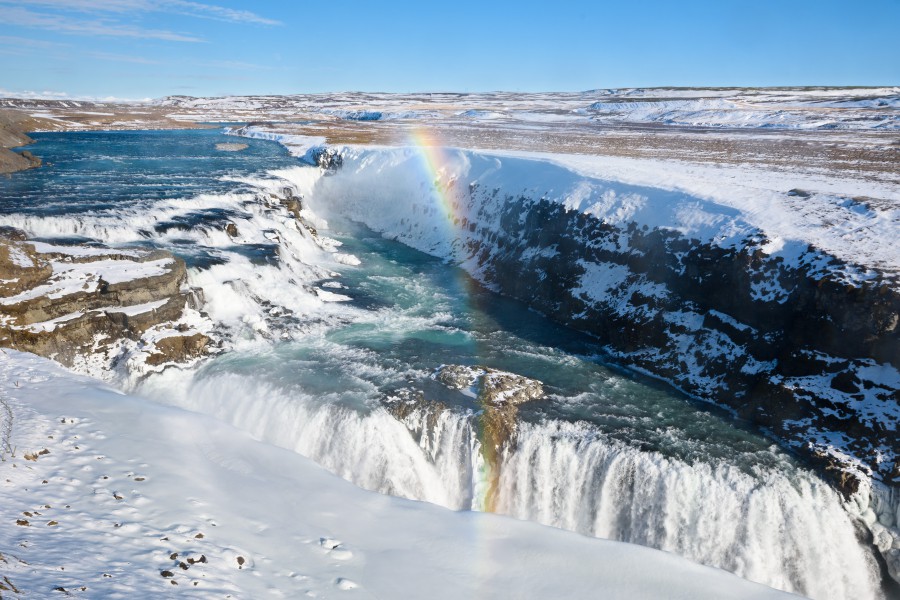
(81, 303)
(497, 396)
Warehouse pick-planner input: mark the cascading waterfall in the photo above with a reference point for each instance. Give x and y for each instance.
(785, 528)
(790, 533)
(771, 522)
(373, 450)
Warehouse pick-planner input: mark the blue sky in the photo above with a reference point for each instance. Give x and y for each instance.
(153, 48)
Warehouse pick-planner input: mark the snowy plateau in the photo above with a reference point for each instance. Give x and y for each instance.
(729, 255)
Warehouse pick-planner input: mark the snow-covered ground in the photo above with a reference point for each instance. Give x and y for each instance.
(778, 108)
(790, 109)
(110, 496)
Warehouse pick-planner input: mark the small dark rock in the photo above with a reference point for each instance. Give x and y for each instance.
(848, 484)
(894, 475)
(846, 382)
(327, 158)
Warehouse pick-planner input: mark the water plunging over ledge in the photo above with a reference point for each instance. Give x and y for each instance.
(603, 453)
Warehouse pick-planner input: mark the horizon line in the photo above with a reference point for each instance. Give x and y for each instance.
(64, 97)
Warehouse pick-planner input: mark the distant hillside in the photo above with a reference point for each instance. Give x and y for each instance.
(13, 125)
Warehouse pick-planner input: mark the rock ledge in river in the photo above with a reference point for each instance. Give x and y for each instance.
(83, 303)
(497, 393)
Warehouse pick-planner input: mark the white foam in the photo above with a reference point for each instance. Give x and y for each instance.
(785, 529)
(128, 490)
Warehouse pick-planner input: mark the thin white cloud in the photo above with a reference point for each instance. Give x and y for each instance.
(55, 95)
(182, 7)
(122, 58)
(33, 95)
(21, 42)
(98, 27)
(92, 6)
(11, 45)
(211, 11)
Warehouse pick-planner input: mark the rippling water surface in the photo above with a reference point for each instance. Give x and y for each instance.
(605, 453)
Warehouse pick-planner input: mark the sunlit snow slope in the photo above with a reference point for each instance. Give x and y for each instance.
(116, 497)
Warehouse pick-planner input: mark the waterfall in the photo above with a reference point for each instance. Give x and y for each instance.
(787, 530)
(782, 527)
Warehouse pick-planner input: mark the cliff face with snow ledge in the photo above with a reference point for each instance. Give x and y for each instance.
(752, 297)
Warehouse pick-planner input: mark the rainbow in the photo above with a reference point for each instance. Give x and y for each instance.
(435, 162)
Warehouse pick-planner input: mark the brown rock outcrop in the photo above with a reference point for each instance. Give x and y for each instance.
(13, 125)
(178, 348)
(64, 302)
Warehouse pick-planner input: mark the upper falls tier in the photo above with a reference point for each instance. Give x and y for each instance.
(746, 296)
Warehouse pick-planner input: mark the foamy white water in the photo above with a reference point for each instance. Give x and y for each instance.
(607, 457)
(785, 528)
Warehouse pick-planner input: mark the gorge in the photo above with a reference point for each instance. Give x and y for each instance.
(702, 368)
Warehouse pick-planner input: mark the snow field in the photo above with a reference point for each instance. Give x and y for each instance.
(130, 499)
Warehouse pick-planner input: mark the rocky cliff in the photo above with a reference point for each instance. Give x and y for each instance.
(94, 305)
(798, 352)
(13, 125)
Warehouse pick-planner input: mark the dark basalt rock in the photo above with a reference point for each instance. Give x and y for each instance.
(788, 347)
(327, 158)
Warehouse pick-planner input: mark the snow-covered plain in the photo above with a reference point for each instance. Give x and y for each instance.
(111, 496)
(770, 108)
(802, 214)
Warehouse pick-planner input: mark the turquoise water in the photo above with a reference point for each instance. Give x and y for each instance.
(478, 327)
(606, 453)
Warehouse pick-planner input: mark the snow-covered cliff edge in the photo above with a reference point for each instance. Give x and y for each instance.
(779, 303)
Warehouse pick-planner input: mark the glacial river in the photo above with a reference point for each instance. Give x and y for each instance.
(314, 354)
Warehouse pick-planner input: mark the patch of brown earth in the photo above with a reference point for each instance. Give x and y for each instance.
(13, 125)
